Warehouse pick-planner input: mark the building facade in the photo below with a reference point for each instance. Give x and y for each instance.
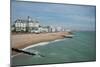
(33, 26)
(26, 25)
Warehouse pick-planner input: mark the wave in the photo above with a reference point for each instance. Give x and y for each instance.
(42, 44)
(58, 40)
(39, 44)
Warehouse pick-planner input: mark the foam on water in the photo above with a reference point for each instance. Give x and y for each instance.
(58, 40)
(42, 44)
(79, 48)
(38, 44)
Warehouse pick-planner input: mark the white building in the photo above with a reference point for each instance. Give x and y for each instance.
(33, 26)
(26, 25)
(44, 29)
(53, 29)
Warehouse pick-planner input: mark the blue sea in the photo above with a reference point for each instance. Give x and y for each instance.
(82, 47)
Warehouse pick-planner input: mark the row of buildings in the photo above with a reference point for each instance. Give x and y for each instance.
(33, 26)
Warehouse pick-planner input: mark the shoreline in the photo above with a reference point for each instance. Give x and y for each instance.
(38, 44)
(23, 41)
(41, 44)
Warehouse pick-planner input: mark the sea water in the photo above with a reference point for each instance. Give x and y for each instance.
(82, 47)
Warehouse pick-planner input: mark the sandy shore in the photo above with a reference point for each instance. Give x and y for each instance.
(21, 41)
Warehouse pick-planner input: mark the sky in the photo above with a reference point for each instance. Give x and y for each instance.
(75, 17)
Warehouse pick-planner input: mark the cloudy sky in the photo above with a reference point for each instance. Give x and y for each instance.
(75, 17)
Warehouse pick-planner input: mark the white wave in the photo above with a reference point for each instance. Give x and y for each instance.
(58, 40)
(34, 45)
(42, 44)
(38, 44)
(15, 55)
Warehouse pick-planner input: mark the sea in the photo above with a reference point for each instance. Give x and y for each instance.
(80, 48)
